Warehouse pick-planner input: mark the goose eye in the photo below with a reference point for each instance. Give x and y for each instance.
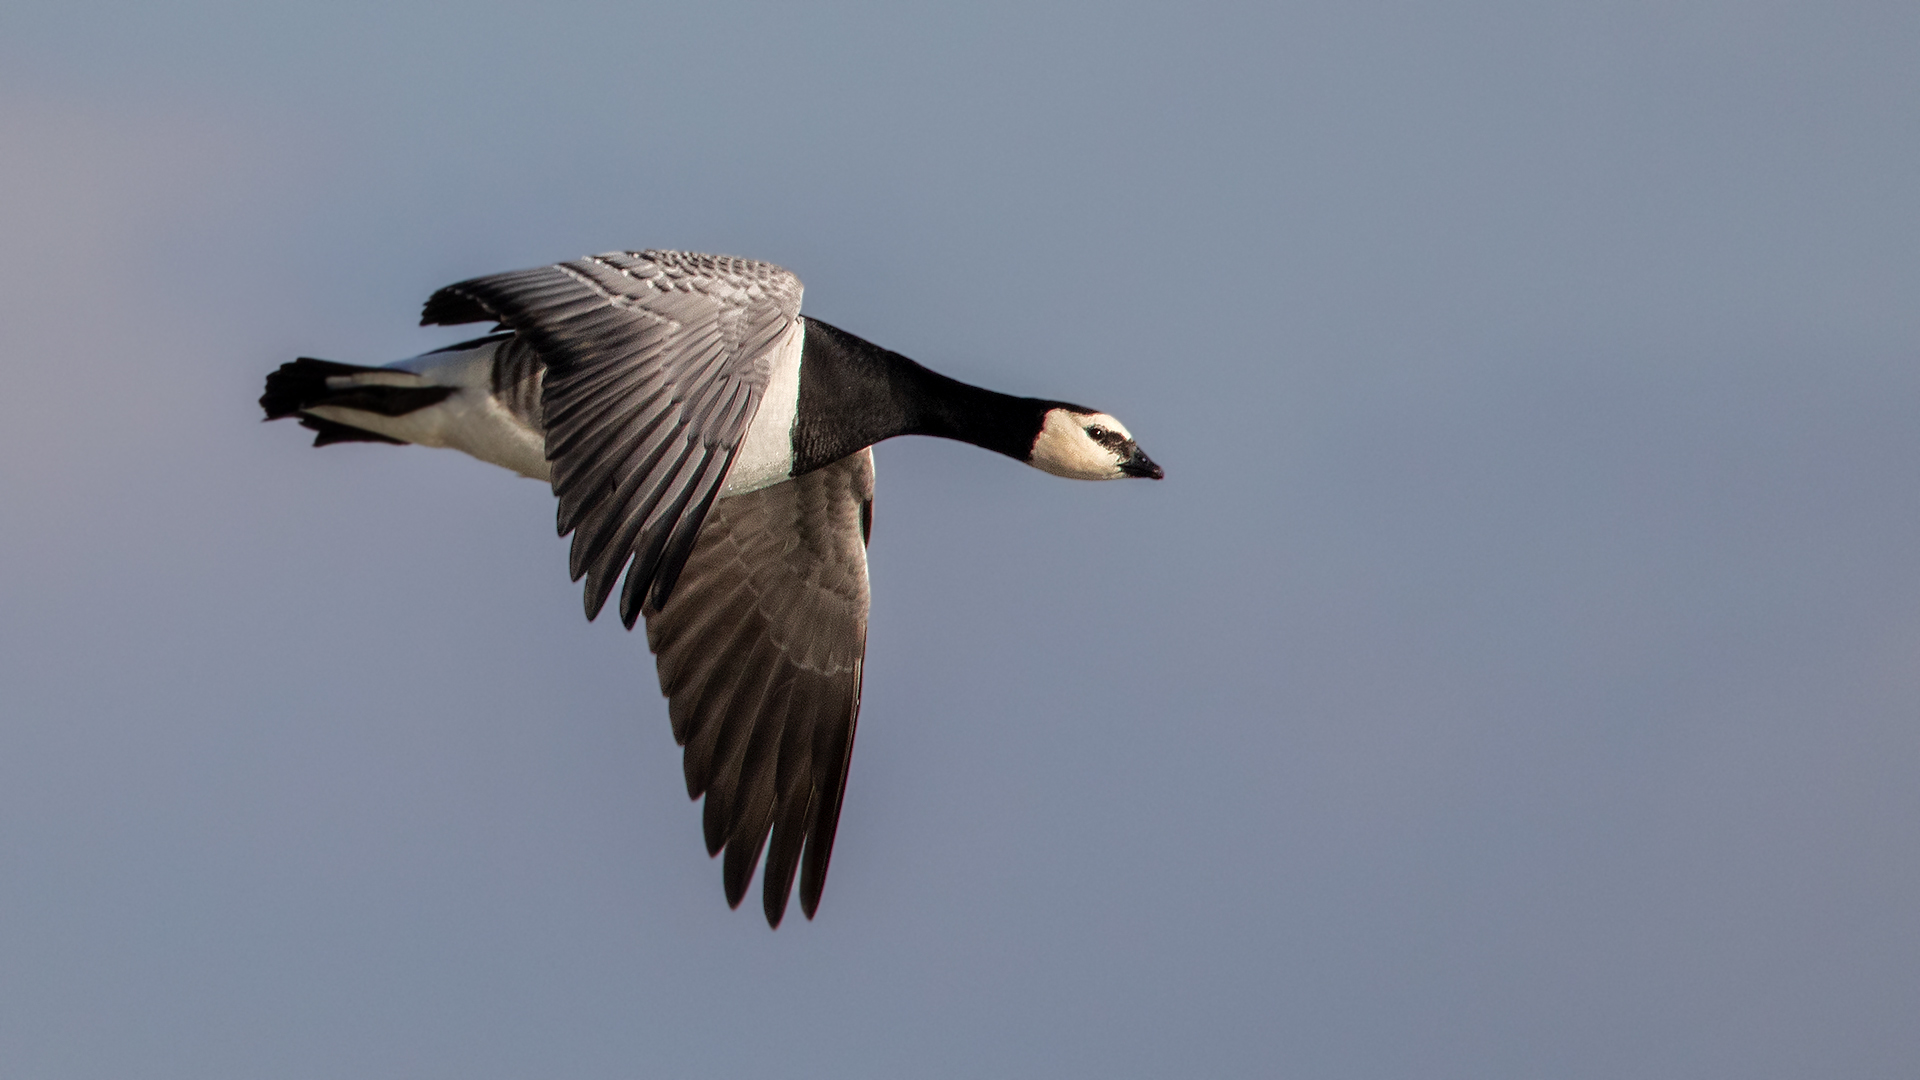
(1098, 433)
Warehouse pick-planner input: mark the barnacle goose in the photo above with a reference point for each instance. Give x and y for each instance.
(704, 436)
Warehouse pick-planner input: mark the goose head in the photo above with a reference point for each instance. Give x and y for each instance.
(1081, 444)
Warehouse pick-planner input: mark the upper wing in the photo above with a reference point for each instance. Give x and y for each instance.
(759, 655)
(656, 362)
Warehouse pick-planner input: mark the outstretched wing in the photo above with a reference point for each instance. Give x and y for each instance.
(656, 362)
(759, 655)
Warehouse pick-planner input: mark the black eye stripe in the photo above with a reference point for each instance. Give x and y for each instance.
(1112, 440)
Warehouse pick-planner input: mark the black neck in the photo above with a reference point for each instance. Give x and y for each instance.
(854, 393)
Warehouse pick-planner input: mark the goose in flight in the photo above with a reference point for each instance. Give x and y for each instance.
(705, 437)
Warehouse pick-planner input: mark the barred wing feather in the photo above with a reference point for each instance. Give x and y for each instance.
(655, 364)
(760, 658)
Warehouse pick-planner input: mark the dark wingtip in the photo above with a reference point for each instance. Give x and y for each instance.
(735, 880)
(713, 823)
(451, 307)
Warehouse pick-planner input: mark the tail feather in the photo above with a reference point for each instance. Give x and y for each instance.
(307, 383)
(302, 384)
(332, 432)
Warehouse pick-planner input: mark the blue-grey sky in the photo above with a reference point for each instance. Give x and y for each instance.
(1517, 675)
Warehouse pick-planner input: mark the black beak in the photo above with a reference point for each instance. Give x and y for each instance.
(1139, 464)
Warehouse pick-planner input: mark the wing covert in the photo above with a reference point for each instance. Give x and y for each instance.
(655, 364)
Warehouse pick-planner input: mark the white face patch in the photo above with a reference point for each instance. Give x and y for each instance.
(1064, 446)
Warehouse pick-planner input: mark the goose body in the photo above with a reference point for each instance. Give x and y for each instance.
(704, 437)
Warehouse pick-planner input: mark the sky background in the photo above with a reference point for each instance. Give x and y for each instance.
(1517, 674)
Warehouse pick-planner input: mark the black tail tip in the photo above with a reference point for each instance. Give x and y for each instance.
(300, 383)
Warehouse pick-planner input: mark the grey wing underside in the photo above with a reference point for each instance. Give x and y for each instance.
(759, 654)
(655, 364)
